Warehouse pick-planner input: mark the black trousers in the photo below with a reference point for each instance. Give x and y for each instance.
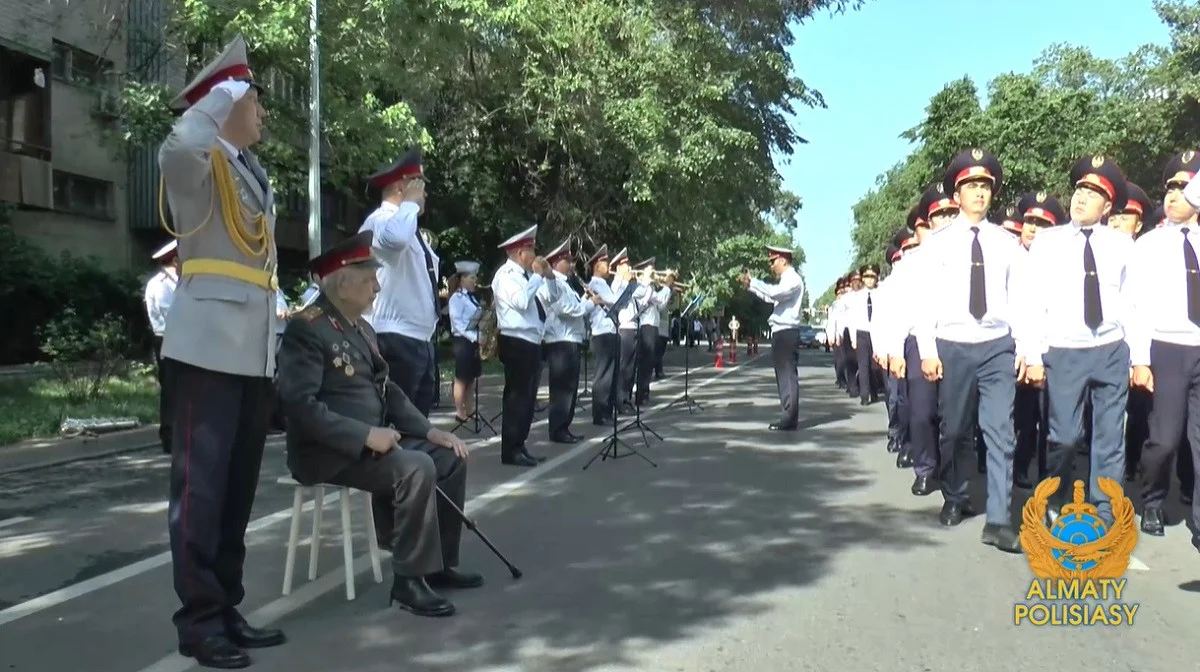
(627, 368)
(412, 364)
(1174, 419)
(1032, 425)
(647, 347)
(870, 375)
(839, 365)
(219, 434)
(785, 359)
(563, 359)
(849, 364)
(421, 529)
(166, 396)
(607, 349)
(660, 353)
(924, 420)
(521, 361)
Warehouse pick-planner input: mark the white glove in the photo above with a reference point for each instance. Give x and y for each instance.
(1192, 192)
(234, 87)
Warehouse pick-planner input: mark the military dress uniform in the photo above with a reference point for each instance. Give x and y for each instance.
(407, 310)
(563, 345)
(159, 291)
(860, 311)
(627, 330)
(1164, 335)
(220, 343)
(335, 387)
(605, 343)
(967, 323)
(882, 324)
(832, 335)
(647, 328)
(1077, 332)
(786, 298)
(465, 314)
(521, 317)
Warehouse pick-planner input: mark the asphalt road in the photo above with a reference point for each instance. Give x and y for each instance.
(743, 550)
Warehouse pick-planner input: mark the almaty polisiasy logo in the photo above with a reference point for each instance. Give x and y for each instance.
(1079, 562)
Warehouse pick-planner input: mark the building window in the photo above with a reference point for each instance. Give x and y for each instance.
(24, 105)
(84, 196)
(74, 65)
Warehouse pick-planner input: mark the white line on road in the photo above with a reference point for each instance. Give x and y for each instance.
(93, 584)
(277, 609)
(9, 522)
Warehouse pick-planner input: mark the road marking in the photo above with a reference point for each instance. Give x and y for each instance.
(309, 592)
(9, 522)
(93, 584)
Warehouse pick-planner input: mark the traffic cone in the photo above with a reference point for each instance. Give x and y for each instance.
(720, 363)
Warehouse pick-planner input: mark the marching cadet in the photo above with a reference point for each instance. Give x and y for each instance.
(465, 315)
(520, 316)
(1164, 287)
(1037, 211)
(1075, 335)
(605, 343)
(965, 336)
(1011, 222)
(221, 348)
(831, 332)
(845, 338)
(859, 311)
(407, 311)
(933, 214)
(157, 297)
(627, 329)
(563, 342)
(883, 319)
(785, 297)
(1129, 220)
(350, 425)
(647, 321)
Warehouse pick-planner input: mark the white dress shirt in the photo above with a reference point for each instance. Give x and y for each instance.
(160, 289)
(1051, 282)
(883, 318)
(945, 276)
(1156, 286)
(833, 325)
(859, 312)
(630, 315)
(407, 300)
(601, 322)
(565, 318)
(785, 297)
(516, 302)
(465, 313)
(655, 304)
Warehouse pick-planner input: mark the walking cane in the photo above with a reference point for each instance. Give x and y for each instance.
(516, 573)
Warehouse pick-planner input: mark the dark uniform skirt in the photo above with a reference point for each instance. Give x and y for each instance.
(467, 365)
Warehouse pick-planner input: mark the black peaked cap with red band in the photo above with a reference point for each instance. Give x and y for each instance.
(1136, 201)
(973, 164)
(935, 200)
(1103, 175)
(405, 167)
(1181, 169)
(1043, 206)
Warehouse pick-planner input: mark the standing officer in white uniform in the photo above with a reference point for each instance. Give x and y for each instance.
(785, 297)
(406, 312)
(159, 291)
(562, 343)
(221, 347)
(605, 343)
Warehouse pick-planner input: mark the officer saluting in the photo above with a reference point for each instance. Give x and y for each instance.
(221, 347)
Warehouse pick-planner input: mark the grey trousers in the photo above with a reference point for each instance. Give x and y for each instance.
(979, 382)
(422, 531)
(1073, 376)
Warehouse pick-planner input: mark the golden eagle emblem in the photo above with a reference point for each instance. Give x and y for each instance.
(1041, 197)
(977, 154)
(1080, 545)
(1188, 156)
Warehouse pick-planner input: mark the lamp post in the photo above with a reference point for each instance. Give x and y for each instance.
(314, 138)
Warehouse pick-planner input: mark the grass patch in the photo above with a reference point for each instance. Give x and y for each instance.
(35, 407)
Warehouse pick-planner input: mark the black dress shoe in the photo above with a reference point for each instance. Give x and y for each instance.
(216, 652)
(1153, 521)
(1022, 482)
(953, 513)
(536, 458)
(904, 460)
(416, 597)
(923, 485)
(565, 438)
(1003, 537)
(241, 633)
(781, 427)
(452, 578)
(864, 402)
(518, 460)
(893, 446)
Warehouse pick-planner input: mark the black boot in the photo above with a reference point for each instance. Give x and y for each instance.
(415, 596)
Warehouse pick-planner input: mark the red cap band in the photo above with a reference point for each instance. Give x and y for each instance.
(973, 172)
(223, 75)
(333, 262)
(1042, 213)
(1099, 181)
(1134, 206)
(941, 204)
(412, 170)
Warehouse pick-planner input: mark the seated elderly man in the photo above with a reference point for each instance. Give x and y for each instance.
(349, 425)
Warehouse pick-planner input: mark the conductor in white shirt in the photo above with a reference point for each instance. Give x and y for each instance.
(785, 297)
(159, 291)
(406, 312)
(521, 317)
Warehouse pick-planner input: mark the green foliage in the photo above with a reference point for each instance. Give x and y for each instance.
(647, 124)
(84, 355)
(36, 408)
(1139, 109)
(36, 289)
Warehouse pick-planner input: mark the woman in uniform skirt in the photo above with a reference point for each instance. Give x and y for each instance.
(465, 313)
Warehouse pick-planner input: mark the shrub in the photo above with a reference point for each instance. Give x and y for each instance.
(85, 355)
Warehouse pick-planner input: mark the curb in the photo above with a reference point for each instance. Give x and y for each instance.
(58, 462)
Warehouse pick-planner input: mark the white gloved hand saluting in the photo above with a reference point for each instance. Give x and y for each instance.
(234, 87)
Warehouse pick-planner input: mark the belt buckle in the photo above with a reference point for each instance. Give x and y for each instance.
(274, 283)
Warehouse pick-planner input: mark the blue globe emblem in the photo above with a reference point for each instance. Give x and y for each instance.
(1077, 528)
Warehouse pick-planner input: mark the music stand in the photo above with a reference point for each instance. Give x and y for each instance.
(611, 448)
(479, 420)
(637, 422)
(688, 402)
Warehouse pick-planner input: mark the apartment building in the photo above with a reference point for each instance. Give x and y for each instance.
(67, 183)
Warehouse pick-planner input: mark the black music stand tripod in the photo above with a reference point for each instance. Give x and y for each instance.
(686, 400)
(611, 448)
(479, 421)
(637, 422)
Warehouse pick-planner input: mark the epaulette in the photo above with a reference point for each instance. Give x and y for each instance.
(311, 313)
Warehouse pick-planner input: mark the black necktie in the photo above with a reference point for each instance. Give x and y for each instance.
(1093, 312)
(870, 308)
(430, 269)
(978, 305)
(541, 310)
(242, 159)
(1193, 279)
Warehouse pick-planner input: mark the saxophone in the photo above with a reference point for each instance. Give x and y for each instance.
(489, 333)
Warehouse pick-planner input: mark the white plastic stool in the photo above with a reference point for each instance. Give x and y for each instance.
(318, 492)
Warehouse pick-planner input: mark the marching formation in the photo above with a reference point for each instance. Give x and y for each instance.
(1024, 343)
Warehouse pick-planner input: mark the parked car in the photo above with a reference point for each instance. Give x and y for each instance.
(808, 337)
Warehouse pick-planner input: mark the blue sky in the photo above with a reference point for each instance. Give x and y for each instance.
(877, 69)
